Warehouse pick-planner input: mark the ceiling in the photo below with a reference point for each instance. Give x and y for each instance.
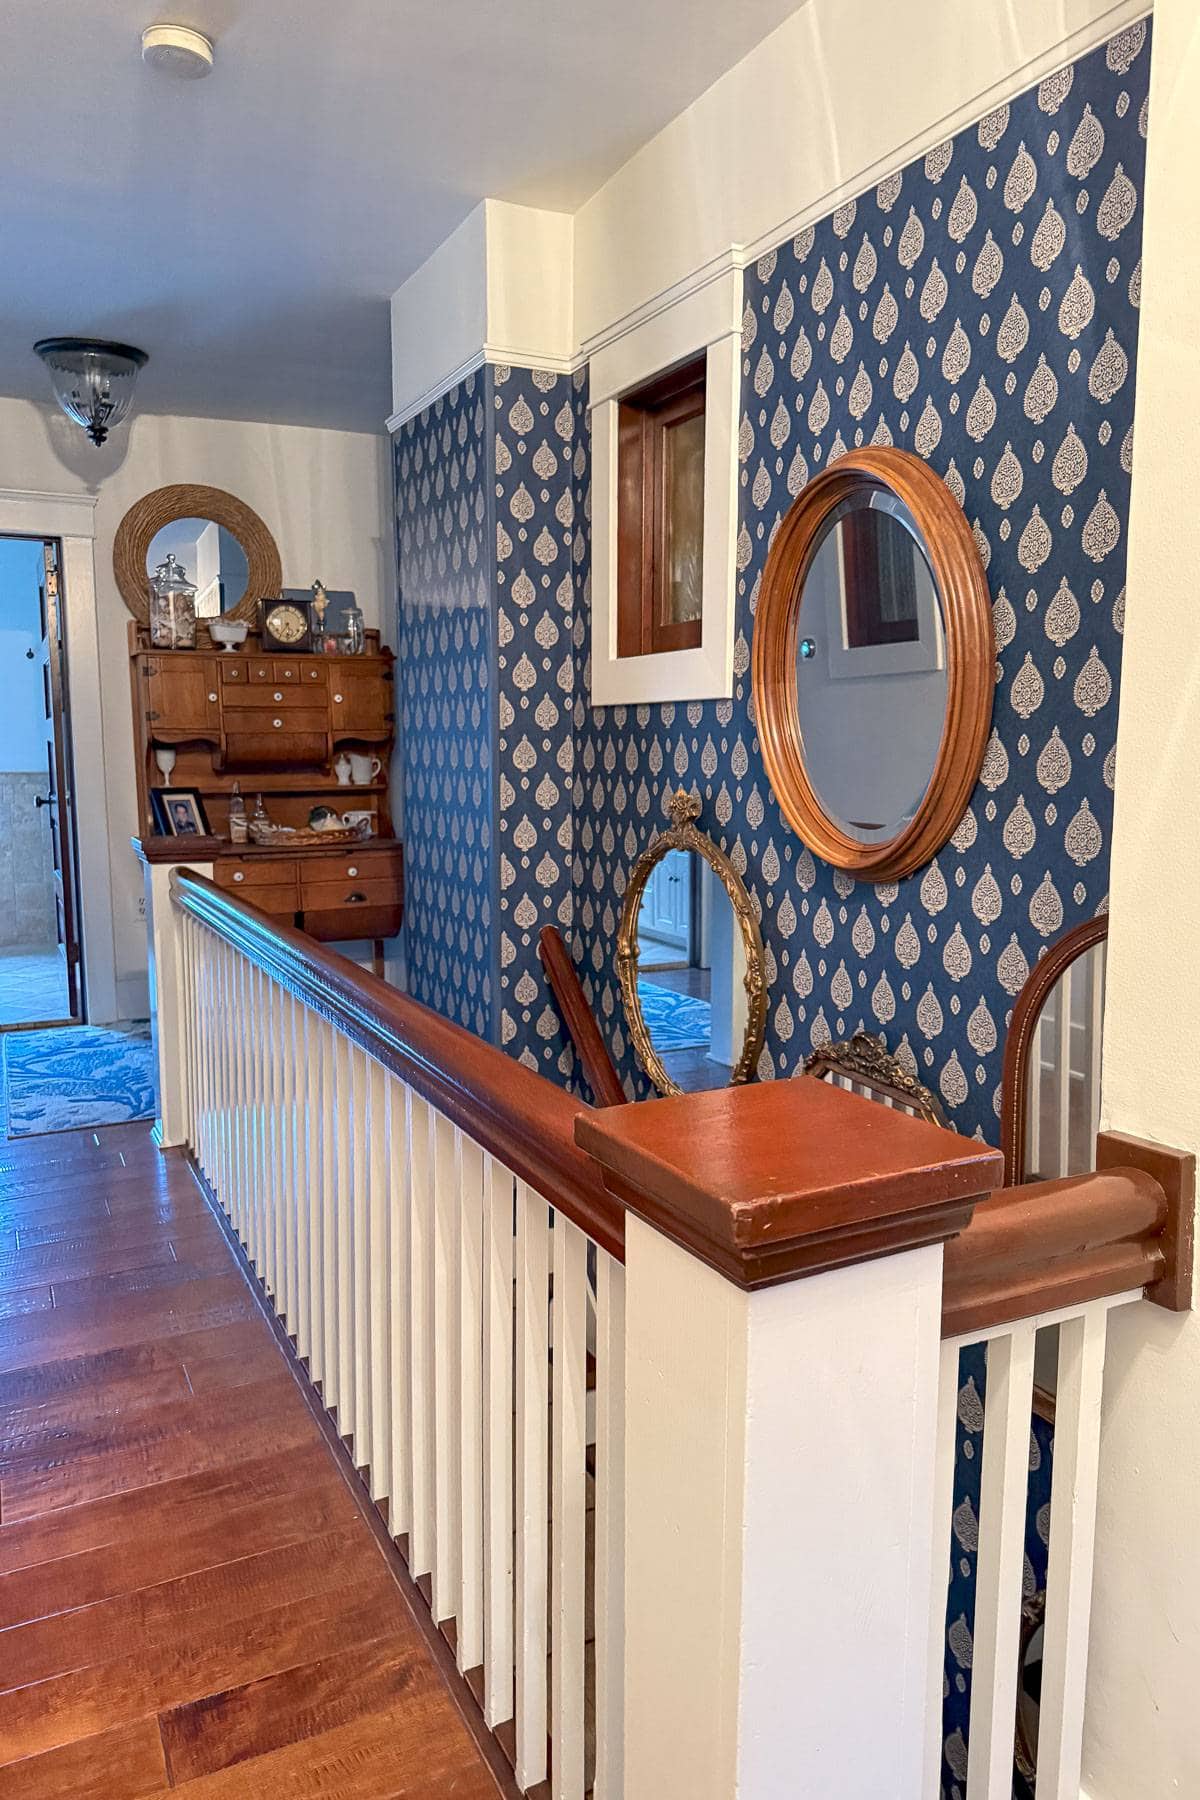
(248, 229)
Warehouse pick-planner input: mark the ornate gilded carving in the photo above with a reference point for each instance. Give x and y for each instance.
(683, 835)
(864, 1057)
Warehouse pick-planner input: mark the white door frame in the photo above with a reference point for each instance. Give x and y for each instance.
(71, 519)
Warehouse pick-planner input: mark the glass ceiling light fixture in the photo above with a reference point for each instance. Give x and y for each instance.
(93, 380)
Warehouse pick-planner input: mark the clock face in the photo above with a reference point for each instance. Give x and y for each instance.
(287, 624)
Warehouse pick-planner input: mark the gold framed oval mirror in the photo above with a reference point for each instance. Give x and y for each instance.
(690, 961)
(225, 548)
(873, 663)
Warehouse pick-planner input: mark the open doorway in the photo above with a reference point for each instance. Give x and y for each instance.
(40, 963)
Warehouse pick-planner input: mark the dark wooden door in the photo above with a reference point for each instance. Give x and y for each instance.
(56, 799)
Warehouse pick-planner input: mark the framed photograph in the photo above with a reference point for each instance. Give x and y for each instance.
(179, 812)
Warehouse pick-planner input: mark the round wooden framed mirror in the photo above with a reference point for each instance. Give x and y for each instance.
(223, 545)
(690, 961)
(873, 663)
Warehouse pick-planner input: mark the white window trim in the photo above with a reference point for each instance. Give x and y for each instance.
(71, 519)
(704, 319)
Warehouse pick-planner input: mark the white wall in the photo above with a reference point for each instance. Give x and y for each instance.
(1142, 1741)
(326, 496)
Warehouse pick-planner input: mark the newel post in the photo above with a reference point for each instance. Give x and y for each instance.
(783, 1297)
(168, 999)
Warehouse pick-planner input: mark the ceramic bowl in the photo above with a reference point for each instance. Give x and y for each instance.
(229, 633)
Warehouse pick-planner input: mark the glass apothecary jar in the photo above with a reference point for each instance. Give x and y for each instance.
(353, 635)
(172, 607)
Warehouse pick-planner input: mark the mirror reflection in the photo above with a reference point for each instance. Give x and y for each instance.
(212, 557)
(691, 971)
(870, 666)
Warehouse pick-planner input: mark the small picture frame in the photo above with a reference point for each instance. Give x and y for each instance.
(179, 812)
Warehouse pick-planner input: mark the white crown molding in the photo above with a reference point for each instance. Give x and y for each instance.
(30, 511)
(1115, 18)
(715, 269)
(498, 356)
(1068, 50)
(435, 391)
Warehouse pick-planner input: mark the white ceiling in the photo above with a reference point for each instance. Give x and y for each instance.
(247, 229)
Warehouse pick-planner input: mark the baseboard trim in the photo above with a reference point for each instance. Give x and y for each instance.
(440, 1647)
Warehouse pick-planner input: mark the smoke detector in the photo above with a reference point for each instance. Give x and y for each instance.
(177, 51)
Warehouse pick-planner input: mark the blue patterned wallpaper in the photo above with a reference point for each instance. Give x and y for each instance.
(980, 308)
(445, 687)
(536, 438)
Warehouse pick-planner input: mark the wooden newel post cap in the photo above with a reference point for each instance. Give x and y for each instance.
(781, 1179)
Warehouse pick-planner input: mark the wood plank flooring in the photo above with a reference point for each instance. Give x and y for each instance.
(191, 1602)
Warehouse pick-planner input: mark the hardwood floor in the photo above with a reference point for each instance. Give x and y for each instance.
(190, 1599)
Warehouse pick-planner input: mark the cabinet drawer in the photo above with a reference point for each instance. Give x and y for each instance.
(262, 696)
(277, 718)
(353, 869)
(351, 892)
(243, 873)
(336, 924)
(260, 669)
(234, 670)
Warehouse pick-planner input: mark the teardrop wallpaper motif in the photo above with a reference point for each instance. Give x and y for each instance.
(980, 307)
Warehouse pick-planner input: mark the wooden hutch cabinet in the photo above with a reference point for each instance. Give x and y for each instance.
(275, 725)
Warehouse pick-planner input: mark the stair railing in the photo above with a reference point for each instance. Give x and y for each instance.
(659, 1402)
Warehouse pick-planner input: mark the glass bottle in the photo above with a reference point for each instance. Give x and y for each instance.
(353, 635)
(238, 828)
(172, 607)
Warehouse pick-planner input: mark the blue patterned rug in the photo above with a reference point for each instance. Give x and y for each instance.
(76, 1076)
(674, 1021)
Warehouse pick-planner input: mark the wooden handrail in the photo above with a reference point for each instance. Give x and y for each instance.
(1022, 1035)
(1054, 1244)
(513, 1113)
(579, 1019)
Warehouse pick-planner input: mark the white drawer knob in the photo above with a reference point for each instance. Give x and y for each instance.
(238, 875)
(279, 693)
(352, 870)
(338, 698)
(212, 696)
(277, 723)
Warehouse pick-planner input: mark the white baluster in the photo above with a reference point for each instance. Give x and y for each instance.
(447, 1479)
(400, 1483)
(470, 1357)
(380, 1287)
(943, 1511)
(1003, 1490)
(258, 1100)
(1097, 959)
(1072, 1541)
(286, 1301)
(330, 1296)
(609, 1781)
(358, 1110)
(533, 1499)
(273, 1235)
(344, 1201)
(568, 1509)
(498, 1443)
(307, 1114)
(422, 1343)
(1063, 1074)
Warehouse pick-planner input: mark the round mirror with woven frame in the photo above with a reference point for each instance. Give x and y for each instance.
(186, 500)
(873, 711)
